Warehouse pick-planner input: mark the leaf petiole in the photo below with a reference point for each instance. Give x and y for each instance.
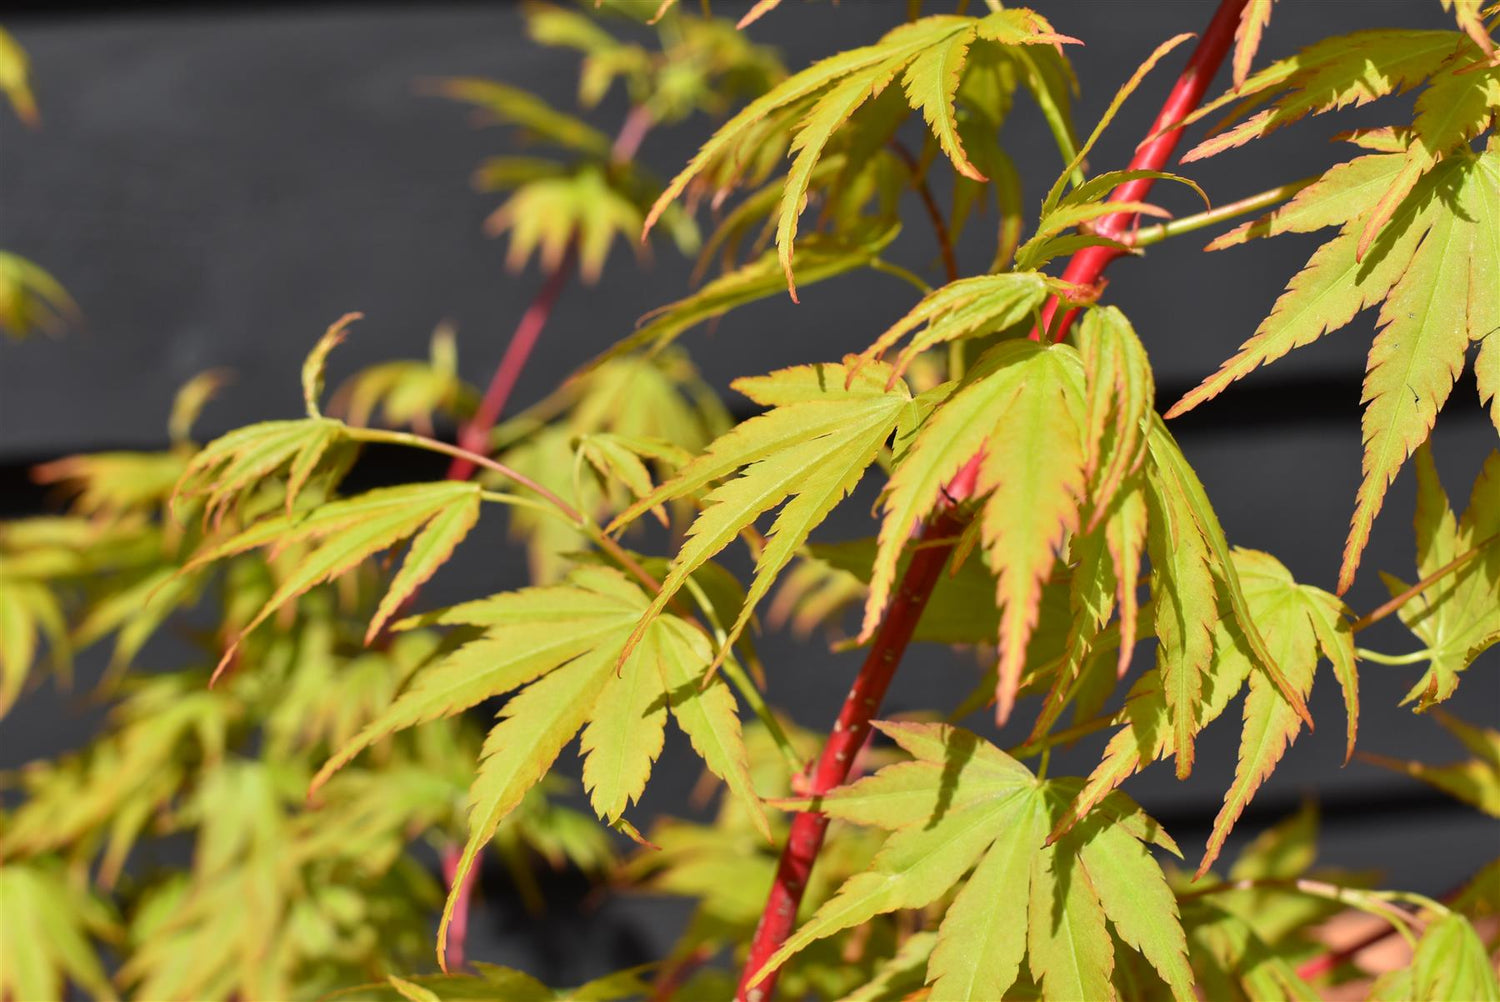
(1155, 234)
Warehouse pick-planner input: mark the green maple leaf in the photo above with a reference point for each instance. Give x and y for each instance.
(963, 805)
(1475, 781)
(967, 308)
(1450, 962)
(1303, 622)
(1419, 234)
(562, 646)
(343, 534)
(927, 56)
(1455, 617)
(1022, 396)
(826, 427)
(47, 924)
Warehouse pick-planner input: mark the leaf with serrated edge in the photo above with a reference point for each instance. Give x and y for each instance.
(428, 551)
(536, 724)
(980, 947)
(931, 82)
(1068, 950)
(1033, 470)
(812, 450)
(1270, 724)
(625, 732)
(1419, 350)
(1139, 904)
(707, 716)
(530, 633)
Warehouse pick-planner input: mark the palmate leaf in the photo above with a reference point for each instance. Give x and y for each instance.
(969, 307)
(47, 924)
(561, 646)
(963, 805)
(822, 258)
(1023, 407)
(547, 215)
(231, 465)
(1346, 71)
(31, 299)
(513, 106)
(343, 534)
(927, 56)
(1475, 781)
(826, 426)
(1455, 616)
(1303, 622)
(1433, 266)
(1450, 962)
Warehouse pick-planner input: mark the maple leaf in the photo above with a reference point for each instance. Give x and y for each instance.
(1475, 781)
(1431, 270)
(1450, 962)
(1022, 396)
(964, 805)
(1346, 71)
(928, 55)
(562, 647)
(967, 308)
(1303, 623)
(826, 426)
(30, 298)
(1247, 35)
(1455, 615)
(47, 924)
(409, 392)
(345, 533)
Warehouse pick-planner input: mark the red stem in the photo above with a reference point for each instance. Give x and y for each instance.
(458, 929)
(1086, 266)
(850, 731)
(475, 433)
(895, 631)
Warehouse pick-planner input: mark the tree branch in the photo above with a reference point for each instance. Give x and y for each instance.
(895, 630)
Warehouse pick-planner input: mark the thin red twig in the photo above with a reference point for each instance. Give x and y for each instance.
(849, 734)
(475, 433)
(934, 213)
(895, 631)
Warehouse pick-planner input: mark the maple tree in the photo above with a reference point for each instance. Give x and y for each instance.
(1035, 508)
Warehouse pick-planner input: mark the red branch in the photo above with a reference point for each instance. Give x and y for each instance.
(1086, 266)
(475, 434)
(850, 731)
(895, 631)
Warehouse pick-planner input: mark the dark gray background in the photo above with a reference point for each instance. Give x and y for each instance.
(215, 185)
